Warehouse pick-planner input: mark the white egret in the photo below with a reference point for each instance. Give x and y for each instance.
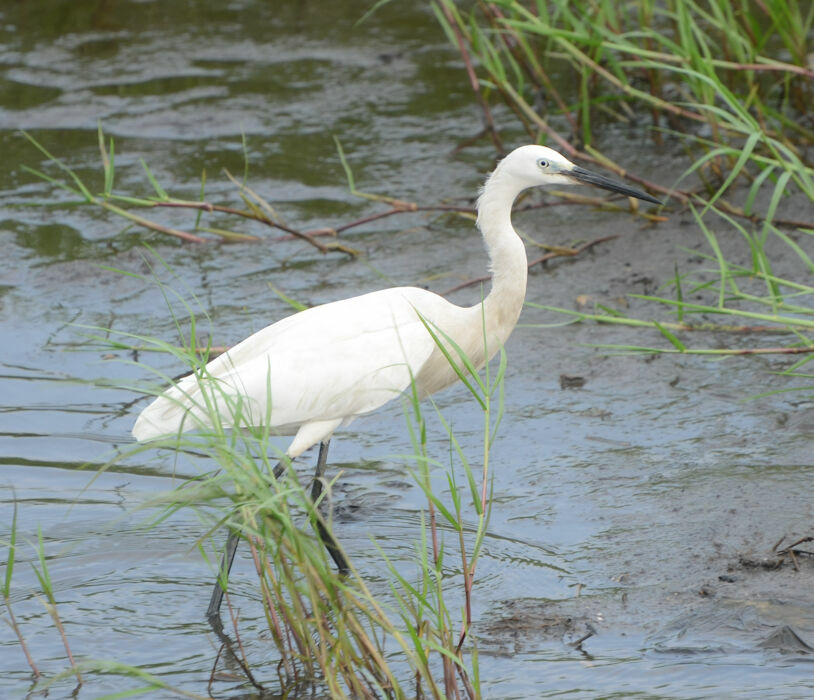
(324, 366)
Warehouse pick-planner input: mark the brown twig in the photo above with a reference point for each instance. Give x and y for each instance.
(469, 569)
(226, 644)
(259, 218)
(790, 551)
(211, 208)
(402, 207)
(469, 577)
(333, 231)
(578, 643)
(244, 662)
(465, 679)
(755, 219)
(571, 252)
(559, 253)
(277, 627)
(724, 328)
(433, 208)
(805, 350)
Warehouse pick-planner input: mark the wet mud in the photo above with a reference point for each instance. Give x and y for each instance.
(638, 499)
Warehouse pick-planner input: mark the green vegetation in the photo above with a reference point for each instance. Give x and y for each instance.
(730, 82)
(330, 630)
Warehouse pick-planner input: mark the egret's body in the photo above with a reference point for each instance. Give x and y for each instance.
(323, 367)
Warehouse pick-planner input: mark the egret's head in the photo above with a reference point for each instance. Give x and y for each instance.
(531, 166)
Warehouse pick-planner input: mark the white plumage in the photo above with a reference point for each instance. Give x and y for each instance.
(317, 370)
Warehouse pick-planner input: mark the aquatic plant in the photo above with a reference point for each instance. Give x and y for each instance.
(730, 82)
(329, 628)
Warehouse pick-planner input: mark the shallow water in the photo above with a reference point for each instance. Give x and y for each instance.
(617, 506)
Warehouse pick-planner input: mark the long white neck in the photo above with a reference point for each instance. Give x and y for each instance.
(507, 257)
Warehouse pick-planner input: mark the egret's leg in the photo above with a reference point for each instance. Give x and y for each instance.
(213, 611)
(322, 462)
(316, 492)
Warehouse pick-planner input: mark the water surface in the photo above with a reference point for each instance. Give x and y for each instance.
(618, 506)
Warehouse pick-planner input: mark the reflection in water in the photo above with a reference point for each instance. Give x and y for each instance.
(619, 504)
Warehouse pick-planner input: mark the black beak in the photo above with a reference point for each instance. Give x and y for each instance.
(589, 178)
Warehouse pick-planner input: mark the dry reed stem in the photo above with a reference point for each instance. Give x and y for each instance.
(243, 661)
(276, 628)
(214, 670)
(804, 350)
(473, 78)
(58, 622)
(13, 624)
(494, 13)
(146, 223)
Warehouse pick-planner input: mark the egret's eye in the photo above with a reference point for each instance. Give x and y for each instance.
(543, 163)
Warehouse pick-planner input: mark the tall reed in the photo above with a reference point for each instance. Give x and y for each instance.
(331, 630)
(730, 81)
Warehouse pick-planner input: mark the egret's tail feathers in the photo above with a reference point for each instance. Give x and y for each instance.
(161, 418)
(196, 403)
(171, 413)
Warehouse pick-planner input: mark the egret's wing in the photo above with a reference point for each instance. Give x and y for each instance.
(333, 361)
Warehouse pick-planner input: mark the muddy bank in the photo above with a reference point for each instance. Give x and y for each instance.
(633, 494)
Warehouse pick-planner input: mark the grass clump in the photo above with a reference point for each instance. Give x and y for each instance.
(331, 631)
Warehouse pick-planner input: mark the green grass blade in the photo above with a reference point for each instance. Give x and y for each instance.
(159, 190)
(77, 181)
(11, 552)
(671, 337)
(345, 166)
